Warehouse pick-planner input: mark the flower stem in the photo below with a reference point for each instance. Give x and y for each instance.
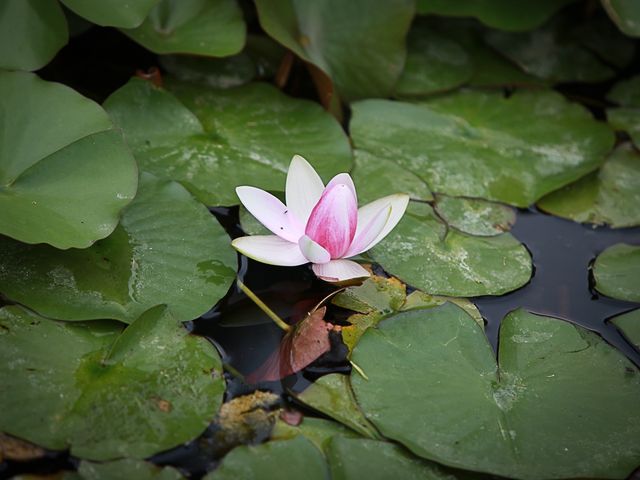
(263, 306)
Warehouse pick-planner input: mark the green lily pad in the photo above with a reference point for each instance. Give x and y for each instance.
(502, 14)
(225, 138)
(359, 44)
(114, 13)
(357, 458)
(317, 430)
(626, 14)
(480, 144)
(475, 216)
(103, 392)
(168, 249)
(611, 195)
(551, 53)
(332, 395)
(126, 468)
(435, 63)
(598, 34)
(629, 323)
(274, 460)
(65, 173)
(375, 294)
(376, 177)
(435, 387)
(31, 33)
(626, 93)
(422, 252)
(617, 270)
(201, 27)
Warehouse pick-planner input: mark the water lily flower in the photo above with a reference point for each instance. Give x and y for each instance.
(319, 224)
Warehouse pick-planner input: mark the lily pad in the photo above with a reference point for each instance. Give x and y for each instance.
(626, 14)
(480, 144)
(201, 27)
(617, 272)
(225, 138)
(422, 252)
(363, 54)
(551, 53)
(274, 460)
(435, 387)
(475, 216)
(357, 458)
(168, 249)
(114, 13)
(31, 33)
(626, 117)
(629, 323)
(502, 14)
(626, 92)
(103, 392)
(376, 177)
(435, 63)
(318, 430)
(65, 173)
(611, 195)
(332, 395)
(126, 468)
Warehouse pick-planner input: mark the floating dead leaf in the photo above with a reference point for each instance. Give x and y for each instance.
(12, 448)
(245, 420)
(304, 343)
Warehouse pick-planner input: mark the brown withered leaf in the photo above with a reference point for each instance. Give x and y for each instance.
(304, 343)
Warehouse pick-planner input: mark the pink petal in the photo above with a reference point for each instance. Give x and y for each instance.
(333, 220)
(271, 212)
(339, 271)
(366, 233)
(366, 214)
(270, 249)
(303, 189)
(312, 251)
(345, 179)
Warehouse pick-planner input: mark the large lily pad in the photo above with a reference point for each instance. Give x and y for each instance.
(425, 254)
(200, 27)
(359, 44)
(114, 13)
(125, 468)
(626, 14)
(31, 33)
(435, 63)
(65, 173)
(434, 386)
(611, 195)
(502, 14)
(629, 323)
(475, 216)
(225, 138)
(480, 144)
(551, 53)
(274, 460)
(617, 272)
(357, 458)
(168, 249)
(104, 393)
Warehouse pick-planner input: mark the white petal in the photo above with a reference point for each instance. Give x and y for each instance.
(366, 214)
(303, 189)
(313, 251)
(345, 179)
(367, 233)
(271, 212)
(339, 270)
(270, 249)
